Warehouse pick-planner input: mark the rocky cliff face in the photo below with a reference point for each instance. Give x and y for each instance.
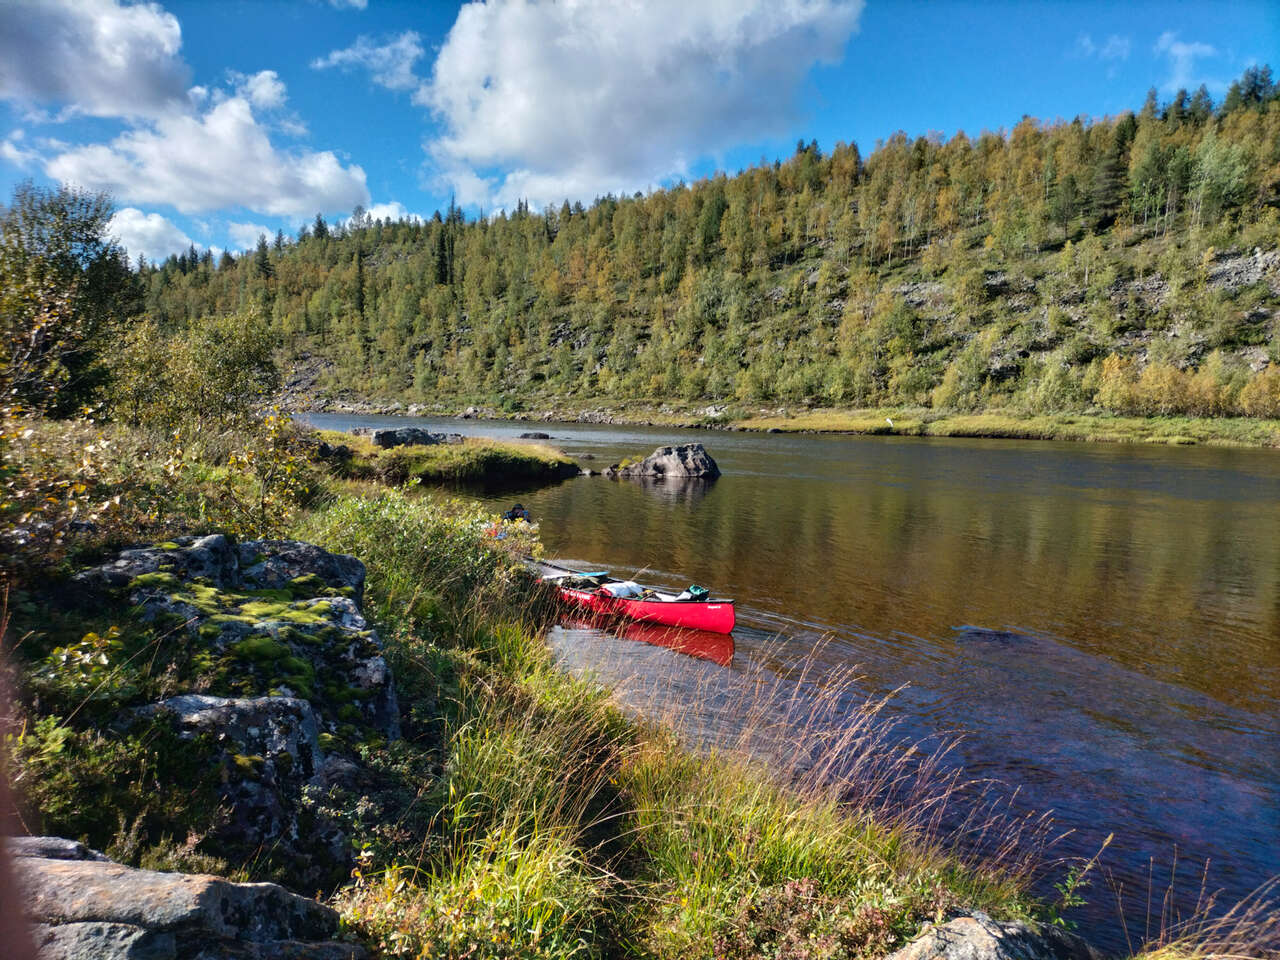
(292, 678)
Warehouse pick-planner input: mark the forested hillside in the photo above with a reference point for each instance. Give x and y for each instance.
(1126, 263)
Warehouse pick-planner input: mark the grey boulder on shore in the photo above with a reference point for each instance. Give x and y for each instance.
(88, 908)
(686, 461)
(979, 937)
(406, 437)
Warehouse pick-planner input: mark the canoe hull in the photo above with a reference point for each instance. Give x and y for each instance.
(715, 616)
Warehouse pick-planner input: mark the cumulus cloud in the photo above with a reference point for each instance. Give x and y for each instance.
(543, 101)
(202, 162)
(348, 4)
(14, 150)
(1182, 57)
(394, 210)
(103, 58)
(148, 234)
(390, 64)
(263, 89)
(244, 236)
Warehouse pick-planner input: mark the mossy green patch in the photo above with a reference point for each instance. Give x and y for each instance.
(291, 613)
(261, 649)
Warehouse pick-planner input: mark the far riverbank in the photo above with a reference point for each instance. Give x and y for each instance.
(887, 421)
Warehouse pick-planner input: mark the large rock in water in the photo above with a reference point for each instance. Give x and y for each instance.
(978, 937)
(688, 460)
(84, 909)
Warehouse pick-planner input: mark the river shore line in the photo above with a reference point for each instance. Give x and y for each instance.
(397, 736)
(886, 421)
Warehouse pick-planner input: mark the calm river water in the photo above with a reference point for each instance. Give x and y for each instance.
(1100, 622)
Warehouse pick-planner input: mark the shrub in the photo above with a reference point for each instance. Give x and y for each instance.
(1261, 395)
(1117, 384)
(217, 371)
(509, 896)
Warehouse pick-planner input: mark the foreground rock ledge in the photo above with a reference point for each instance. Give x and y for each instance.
(93, 908)
(978, 937)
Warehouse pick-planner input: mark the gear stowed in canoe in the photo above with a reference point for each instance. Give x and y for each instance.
(600, 594)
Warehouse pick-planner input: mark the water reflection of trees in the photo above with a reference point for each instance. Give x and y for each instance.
(1183, 589)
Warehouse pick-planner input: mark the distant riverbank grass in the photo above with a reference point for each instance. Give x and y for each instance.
(1214, 431)
(476, 461)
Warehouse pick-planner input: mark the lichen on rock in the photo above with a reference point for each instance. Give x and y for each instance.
(283, 661)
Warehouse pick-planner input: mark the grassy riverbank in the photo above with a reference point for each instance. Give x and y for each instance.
(558, 814)
(1222, 431)
(1001, 424)
(476, 461)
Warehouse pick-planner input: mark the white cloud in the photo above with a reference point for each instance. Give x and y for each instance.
(12, 150)
(390, 64)
(544, 101)
(244, 236)
(1182, 58)
(348, 4)
(221, 158)
(99, 58)
(1115, 47)
(149, 234)
(392, 211)
(264, 89)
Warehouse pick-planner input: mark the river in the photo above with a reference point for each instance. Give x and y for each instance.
(1100, 623)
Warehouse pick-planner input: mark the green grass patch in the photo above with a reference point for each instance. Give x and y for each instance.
(477, 461)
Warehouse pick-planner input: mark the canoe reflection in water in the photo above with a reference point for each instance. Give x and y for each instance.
(702, 644)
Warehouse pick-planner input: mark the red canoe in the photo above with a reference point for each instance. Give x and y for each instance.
(602, 595)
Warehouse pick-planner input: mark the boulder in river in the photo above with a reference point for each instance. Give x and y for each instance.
(535, 435)
(688, 460)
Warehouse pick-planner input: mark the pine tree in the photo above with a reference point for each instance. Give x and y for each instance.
(262, 259)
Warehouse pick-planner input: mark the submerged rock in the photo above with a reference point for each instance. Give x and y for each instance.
(97, 909)
(535, 435)
(689, 460)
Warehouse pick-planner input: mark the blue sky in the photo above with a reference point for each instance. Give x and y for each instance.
(211, 122)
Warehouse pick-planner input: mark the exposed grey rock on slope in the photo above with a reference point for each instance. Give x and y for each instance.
(978, 937)
(686, 460)
(276, 564)
(86, 909)
(208, 558)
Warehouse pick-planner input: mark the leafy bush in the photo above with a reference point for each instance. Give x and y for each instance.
(217, 371)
